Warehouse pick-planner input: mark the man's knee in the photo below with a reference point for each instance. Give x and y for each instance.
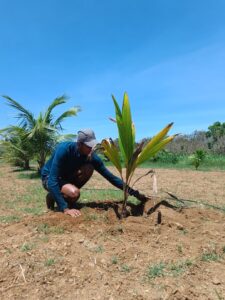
(70, 191)
(75, 194)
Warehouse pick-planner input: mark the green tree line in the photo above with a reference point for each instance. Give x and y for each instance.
(34, 138)
(211, 141)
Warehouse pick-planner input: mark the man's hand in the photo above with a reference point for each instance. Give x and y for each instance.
(141, 197)
(72, 212)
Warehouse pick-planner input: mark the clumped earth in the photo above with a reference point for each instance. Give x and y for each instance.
(97, 256)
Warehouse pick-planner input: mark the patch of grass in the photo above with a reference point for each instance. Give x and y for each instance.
(91, 195)
(176, 269)
(210, 256)
(26, 247)
(214, 162)
(219, 296)
(179, 268)
(44, 239)
(43, 228)
(9, 219)
(184, 231)
(99, 249)
(162, 269)
(119, 228)
(100, 195)
(32, 202)
(29, 175)
(9, 251)
(203, 218)
(211, 162)
(35, 194)
(10, 205)
(125, 268)
(157, 270)
(57, 230)
(114, 260)
(105, 217)
(36, 211)
(91, 217)
(46, 229)
(180, 249)
(223, 249)
(188, 263)
(94, 216)
(49, 262)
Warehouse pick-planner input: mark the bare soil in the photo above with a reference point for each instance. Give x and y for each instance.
(97, 256)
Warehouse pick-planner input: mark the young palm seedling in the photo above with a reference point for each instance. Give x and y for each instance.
(132, 157)
(197, 158)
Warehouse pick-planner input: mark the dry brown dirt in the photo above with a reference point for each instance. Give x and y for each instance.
(97, 256)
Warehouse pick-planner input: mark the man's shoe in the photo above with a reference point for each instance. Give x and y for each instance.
(50, 202)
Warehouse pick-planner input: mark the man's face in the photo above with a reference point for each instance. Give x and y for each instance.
(84, 149)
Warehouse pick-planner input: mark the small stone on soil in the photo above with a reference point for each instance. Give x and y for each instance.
(216, 281)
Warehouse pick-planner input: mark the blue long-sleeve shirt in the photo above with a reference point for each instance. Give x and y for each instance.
(62, 164)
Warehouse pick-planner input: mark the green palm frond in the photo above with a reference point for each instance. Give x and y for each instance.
(69, 113)
(146, 154)
(133, 162)
(57, 101)
(125, 128)
(25, 116)
(155, 144)
(110, 150)
(65, 137)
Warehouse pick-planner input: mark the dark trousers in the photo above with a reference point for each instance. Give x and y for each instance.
(78, 179)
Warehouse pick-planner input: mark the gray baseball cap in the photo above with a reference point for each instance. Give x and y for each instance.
(87, 137)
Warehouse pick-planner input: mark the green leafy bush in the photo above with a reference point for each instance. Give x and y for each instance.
(167, 157)
(197, 158)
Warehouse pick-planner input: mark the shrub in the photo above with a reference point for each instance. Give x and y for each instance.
(167, 157)
(197, 158)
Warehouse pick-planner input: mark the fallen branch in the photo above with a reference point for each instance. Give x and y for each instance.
(2, 290)
(22, 272)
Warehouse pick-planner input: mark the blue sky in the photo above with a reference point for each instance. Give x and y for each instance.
(169, 56)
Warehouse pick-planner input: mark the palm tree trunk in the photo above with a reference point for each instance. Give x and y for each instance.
(124, 211)
(26, 164)
(41, 161)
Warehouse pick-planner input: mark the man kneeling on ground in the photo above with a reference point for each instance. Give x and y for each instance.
(70, 167)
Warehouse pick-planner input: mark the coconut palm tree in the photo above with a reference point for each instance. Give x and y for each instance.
(16, 148)
(44, 130)
(132, 156)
